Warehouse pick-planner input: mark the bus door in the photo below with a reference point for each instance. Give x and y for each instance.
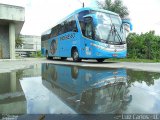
(89, 34)
(86, 38)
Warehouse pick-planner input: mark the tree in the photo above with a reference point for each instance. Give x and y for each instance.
(19, 42)
(142, 76)
(116, 6)
(143, 46)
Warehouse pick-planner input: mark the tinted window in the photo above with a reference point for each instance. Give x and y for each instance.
(46, 35)
(66, 26)
(61, 28)
(89, 30)
(71, 25)
(54, 31)
(81, 20)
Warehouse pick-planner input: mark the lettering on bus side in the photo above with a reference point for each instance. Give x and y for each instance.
(68, 36)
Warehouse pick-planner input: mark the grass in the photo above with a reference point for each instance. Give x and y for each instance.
(133, 60)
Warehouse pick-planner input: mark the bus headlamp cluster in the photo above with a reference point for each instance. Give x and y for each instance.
(98, 46)
(111, 48)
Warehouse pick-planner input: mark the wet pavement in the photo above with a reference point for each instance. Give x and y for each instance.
(54, 89)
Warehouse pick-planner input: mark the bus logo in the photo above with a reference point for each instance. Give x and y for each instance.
(68, 36)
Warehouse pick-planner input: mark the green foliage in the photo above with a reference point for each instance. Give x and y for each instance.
(143, 46)
(116, 6)
(36, 54)
(19, 42)
(142, 76)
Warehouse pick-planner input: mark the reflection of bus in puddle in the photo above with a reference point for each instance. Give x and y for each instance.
(88, 90)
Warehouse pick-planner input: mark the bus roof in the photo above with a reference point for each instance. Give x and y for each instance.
(86, 8)
(94, 9)
(78, 11)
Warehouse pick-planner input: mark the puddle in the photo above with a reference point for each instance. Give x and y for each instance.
(49, 88)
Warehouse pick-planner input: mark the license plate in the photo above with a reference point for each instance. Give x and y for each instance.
(119, 46)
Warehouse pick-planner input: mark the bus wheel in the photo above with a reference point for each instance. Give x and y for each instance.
(75, 56)
(47, 56)
(100, 60)
(63, 58)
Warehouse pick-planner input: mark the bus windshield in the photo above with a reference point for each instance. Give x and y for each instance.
(108, 28)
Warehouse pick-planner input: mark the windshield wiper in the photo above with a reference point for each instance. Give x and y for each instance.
(115, 32)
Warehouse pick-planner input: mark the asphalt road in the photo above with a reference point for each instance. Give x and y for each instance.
(9, 65)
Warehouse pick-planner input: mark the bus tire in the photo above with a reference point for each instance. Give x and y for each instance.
(63, 58)
(75, 55)
(100, 60)
(47, 56)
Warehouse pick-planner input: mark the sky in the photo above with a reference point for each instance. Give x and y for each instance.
(40, 15)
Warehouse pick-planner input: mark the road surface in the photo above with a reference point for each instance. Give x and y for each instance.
(9, 65)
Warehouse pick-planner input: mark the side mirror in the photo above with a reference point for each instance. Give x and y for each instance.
(129, 23)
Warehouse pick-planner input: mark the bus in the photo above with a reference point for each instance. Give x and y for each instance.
(88, 90)
(87, 33)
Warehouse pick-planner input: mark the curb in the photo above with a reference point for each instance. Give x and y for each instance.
(24, 59)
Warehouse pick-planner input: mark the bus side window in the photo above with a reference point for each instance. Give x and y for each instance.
(61, 28)
(74, 26)
(81, 20)
(71, 25)
(54, 31)
(65, 26)
(88, 30)
(82, 24)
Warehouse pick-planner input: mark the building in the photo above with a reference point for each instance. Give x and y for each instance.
(30, 44)
(12, 97)
(11, 22)
(12, 90)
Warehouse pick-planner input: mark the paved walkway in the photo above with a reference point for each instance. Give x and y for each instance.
(7, 65)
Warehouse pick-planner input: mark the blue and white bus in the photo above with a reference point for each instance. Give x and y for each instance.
(87, 33)
(88, 90)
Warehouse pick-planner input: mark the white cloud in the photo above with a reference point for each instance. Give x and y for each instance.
(144, 14)
(42, 14)
(14, 2)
